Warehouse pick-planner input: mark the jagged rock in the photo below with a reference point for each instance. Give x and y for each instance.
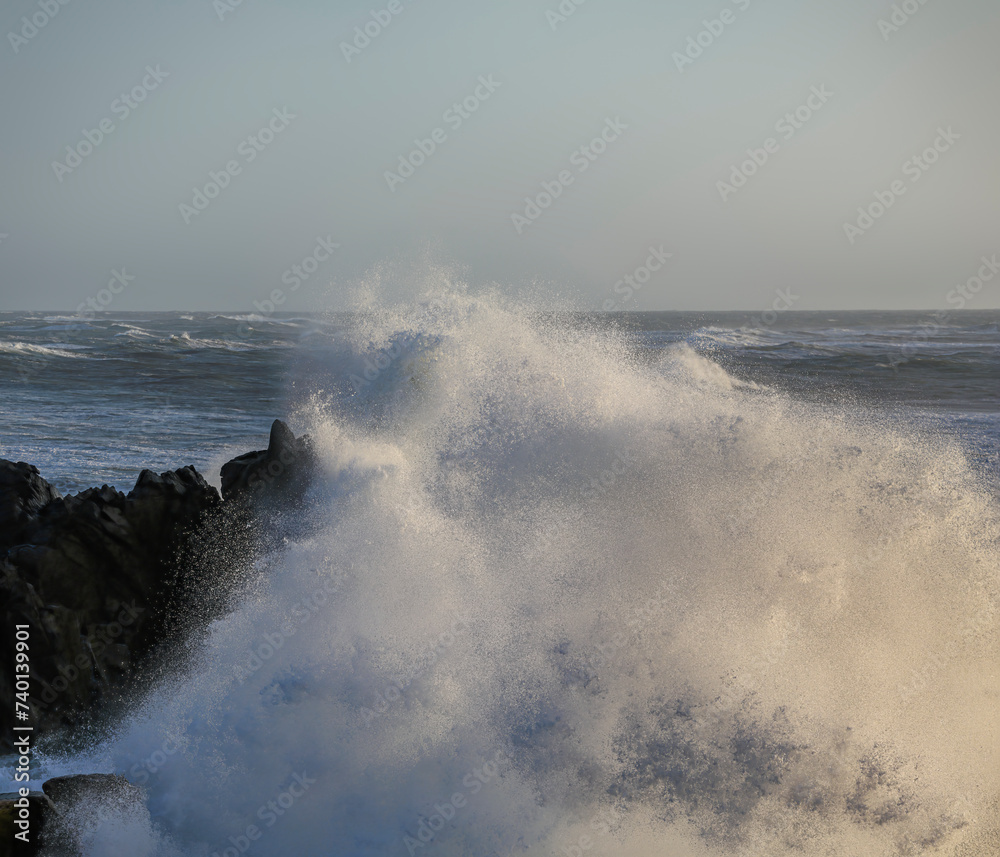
(81, 804)
(280, 473)
(111, 583)
(22, 493)
(90, 583)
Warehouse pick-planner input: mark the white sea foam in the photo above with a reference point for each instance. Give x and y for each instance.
(678, 615)
(29, 348)
(189, 341)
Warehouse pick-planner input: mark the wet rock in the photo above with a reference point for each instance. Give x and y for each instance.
(279, 474)
(112, 586)
(81, 804)
(91, 582)
(64, 792)
(23, 493)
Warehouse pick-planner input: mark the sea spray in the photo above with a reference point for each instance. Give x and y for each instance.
(801, 561)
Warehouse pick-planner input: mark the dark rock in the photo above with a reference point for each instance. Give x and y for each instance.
(110, 585)
(81, 804)
(66, 791)
(279, 474)
(91, 586)
(23, 493)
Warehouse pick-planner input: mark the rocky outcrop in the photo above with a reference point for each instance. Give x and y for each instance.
(279, 474)
(108, 582)
(87, 575)
(65, 812)
(66, 791)
(22, 493)
(84, 802)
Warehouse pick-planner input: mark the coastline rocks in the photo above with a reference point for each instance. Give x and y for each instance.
(86, 575)
(65, 812)
(112, 585)
(22, 493)
(65, 791)
(108, 585)
(281, 473)
(81, 804)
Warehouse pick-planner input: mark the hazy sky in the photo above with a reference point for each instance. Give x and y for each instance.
(184, 87)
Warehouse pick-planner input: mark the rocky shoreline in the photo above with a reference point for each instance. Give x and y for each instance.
(113, 586)
(65, 812)
(107, 581)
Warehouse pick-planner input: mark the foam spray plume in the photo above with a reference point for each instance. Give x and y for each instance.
(560, 598)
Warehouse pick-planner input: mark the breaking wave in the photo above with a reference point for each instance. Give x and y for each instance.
(560, 599)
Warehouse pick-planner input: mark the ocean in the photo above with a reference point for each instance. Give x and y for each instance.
(93, 401)
(635, 583)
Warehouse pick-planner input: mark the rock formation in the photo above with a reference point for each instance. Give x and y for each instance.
(65, 812)
(279, 473)
(107, 582)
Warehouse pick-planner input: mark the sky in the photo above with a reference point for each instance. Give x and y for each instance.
(189, 154)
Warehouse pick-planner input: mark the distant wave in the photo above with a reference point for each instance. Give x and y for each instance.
(684, 364)
(261, 319)
(73, 319)
(734, 337)
(29, 348)
(188, 341)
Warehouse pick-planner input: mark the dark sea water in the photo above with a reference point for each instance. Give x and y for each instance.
(95, 401)
(646, 584)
